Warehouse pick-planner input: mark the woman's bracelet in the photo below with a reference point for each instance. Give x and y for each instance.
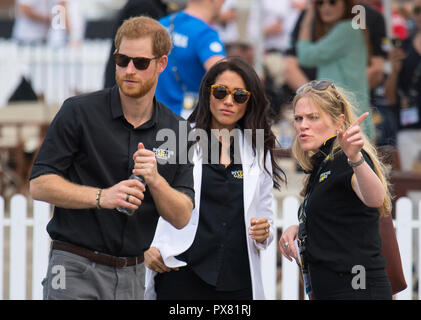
(356, 164)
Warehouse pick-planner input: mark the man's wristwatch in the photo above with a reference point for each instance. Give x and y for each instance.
(356, 164)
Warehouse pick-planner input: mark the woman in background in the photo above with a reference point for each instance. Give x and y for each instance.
(340, 52)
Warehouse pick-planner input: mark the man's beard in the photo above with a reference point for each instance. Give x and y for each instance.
(140, 89)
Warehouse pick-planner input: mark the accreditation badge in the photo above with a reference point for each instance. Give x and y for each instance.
(409, 116)
(189, 102)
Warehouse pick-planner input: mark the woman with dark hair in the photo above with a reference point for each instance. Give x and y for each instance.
(217, 255)
(340, 52)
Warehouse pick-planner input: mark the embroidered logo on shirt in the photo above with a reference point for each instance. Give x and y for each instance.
(163, 154)
(237, 174)
(324, 176)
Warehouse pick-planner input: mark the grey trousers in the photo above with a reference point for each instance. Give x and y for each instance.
(70, 276)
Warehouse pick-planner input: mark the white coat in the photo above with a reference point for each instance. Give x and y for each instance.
(258, 198)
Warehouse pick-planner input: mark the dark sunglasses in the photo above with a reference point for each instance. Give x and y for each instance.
(316, 85)
(332, 3)
(220, 92)
(320, 86)
(140, 63)
(417, 10)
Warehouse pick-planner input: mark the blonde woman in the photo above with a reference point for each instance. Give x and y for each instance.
(345, 192)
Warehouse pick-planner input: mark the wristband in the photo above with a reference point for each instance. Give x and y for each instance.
(98, 199)
(356, 164)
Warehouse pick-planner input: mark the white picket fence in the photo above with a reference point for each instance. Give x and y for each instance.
(55, 72)
(21, 220)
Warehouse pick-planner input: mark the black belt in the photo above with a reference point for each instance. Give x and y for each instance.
(105, 259)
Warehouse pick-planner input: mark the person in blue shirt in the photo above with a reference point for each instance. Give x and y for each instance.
(196, 47)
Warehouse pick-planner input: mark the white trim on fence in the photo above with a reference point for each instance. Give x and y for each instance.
(55, 72)
(18, 262)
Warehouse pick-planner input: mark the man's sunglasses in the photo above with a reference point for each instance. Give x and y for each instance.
(140, 63)
(417, 10)
(220, 92)
(320, 3)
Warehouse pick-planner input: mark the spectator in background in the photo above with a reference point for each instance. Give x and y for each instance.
(272, 19)
(196, 48)
(339, 52)
(403, 89)
(297, 75)
(32, 21)
(67, 24)
(155, 9)
(226, 24)
(383, 116)
(399, 27)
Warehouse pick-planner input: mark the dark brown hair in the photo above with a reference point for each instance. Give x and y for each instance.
(256, 115)
(321, 30)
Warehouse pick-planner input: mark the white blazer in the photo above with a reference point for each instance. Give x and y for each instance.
(258, 198)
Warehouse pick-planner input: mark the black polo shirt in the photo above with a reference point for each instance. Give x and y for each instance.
(342, 230)
(409, 81)
(219, 253)
(90, 143)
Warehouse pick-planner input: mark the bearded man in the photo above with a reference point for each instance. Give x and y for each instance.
(83, 167)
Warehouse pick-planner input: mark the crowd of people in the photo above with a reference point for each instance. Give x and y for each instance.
(301, 42)
(199, 223)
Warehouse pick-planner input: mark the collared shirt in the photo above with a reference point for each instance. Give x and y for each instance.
(91, 143)
(219, 252)
(342, 231)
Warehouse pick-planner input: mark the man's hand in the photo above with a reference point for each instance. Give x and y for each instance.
(117, 195)
(145, 165)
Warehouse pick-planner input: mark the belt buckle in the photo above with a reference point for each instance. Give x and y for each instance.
(121, 262)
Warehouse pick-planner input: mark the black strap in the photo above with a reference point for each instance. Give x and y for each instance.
(173, 58)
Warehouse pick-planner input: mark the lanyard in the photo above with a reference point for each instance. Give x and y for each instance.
(173, 60)
(302, 212)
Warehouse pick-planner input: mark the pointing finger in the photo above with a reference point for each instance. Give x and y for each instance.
(360, 119)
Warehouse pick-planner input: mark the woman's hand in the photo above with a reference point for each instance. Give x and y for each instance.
(310, 13)
(260, 229)
(352, 139)
(154, 261)
(286, 243)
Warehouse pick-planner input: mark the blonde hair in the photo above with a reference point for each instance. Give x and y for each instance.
(335, 101)
(141, 27)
